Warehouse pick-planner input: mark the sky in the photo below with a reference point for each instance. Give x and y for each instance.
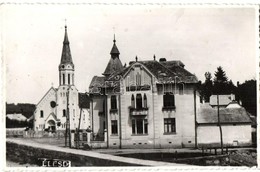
(202, 38)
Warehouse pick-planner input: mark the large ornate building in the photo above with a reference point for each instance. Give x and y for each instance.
(147, 104)
(63, 103)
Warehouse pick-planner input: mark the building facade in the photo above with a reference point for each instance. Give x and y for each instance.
(151, 104)
(62, 106)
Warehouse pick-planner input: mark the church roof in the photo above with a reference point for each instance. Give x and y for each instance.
(209, 115)
(66, 54)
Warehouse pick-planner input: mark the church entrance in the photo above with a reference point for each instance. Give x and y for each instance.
(51, 126)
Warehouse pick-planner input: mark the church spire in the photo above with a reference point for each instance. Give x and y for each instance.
(66, 54)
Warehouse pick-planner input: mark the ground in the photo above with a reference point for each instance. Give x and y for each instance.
(165, 155)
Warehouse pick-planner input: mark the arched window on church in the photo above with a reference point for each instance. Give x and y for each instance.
(139, 101)
(133, 101)
(145, 101)
(41, 115)
(63, 78)
(64, 113)
(69, 79)
(72, 79)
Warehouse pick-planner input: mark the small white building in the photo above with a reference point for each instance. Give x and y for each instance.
(16, 116)
(235, 123)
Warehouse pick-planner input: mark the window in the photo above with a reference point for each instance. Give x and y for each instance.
(114, 127)
(68, 78)
(168, 100)
(113, 102)
(139, 103)
(73, 112)
(64, 113)
(63, 79)
(41, 115)
(169, 125)
(139, 126)
(133, 101)
(145, 101)
(138, 79)
(72, 79)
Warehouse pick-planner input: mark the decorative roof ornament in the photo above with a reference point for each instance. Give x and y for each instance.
(114, 51)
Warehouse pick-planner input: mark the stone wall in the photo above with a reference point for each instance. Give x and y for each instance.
(27, 154)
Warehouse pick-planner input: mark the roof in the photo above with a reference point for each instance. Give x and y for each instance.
(223, 100)
(84, 101)
(66, 54)
(114, 49)
(18, 117)
(114, 65)
(209, 115)
(164, 71)
(96, 83)
(54, 117)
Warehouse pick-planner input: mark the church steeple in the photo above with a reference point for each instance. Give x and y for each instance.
(66, 54)
(66, 67)
(114, 64)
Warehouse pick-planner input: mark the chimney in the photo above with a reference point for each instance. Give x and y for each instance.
(162, 60)
(232, 97)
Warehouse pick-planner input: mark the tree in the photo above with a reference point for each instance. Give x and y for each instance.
(220, 76)
(206, 88)
(221, 83)
(246, 92)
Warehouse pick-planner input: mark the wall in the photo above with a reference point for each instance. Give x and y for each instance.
(44, 105)
(98, 119)
(211, 134)
(79, 158)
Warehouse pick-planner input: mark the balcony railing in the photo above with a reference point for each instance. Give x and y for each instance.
(138, 111)
(168, 108)
(138, 88)
(113, 110)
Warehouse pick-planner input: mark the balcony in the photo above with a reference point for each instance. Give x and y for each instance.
(113, 110)
(168, 108)
(138, 111)
(138, 88)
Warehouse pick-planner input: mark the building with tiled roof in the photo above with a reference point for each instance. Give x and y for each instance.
(61, 108)
(234, 121)
(150, 104)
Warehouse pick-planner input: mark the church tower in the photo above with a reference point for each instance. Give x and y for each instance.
(67, 93)
(114, 64)
(66, 67)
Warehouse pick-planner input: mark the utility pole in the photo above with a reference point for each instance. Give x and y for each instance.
(220, 128)
(68, 122)
(79, 126)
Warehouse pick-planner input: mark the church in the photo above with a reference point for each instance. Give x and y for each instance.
(63, 106)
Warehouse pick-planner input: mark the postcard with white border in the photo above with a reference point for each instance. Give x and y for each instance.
(129, 85)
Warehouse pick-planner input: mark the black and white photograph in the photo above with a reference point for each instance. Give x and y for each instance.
(155, 85)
